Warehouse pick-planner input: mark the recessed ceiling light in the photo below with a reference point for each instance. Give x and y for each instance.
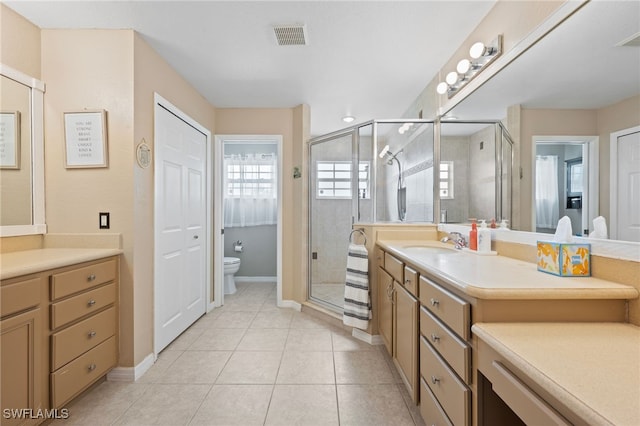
(348, 119)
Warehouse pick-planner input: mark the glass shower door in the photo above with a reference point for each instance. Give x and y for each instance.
(331, 204)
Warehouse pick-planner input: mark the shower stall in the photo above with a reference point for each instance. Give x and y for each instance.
(390, 171)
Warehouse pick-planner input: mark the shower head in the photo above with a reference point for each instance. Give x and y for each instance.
(385, 153)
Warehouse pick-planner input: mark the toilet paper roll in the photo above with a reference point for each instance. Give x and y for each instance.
(237, 249)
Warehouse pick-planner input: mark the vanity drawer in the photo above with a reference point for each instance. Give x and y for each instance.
(79, 279)
(449, 390)
(394, 267)
(411, 281)
(74, 377)
(67, 310)
(452, 310)
(431, 411)
(19, 296)
(456, 352)
(79, 338)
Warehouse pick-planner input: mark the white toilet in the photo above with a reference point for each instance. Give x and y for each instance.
(231, 266)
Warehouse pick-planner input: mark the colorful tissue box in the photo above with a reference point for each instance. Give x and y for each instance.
(564, 259)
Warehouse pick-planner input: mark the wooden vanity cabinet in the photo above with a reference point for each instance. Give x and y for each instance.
(445, 353)
(406, 338)
(58, 335)
(398, 318)
(21, 348)
(84, 327)
(385, 308)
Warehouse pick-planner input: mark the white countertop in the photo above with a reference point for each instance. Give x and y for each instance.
(26, 262)
(592, 368)
(500, 277)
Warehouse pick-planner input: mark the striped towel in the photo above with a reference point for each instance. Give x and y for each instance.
(357, 301)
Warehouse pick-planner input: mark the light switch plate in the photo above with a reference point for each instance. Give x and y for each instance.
(104, 220)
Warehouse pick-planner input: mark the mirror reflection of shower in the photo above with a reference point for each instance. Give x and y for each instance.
(401, 194)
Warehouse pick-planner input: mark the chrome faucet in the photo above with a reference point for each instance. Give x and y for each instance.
(457, 239)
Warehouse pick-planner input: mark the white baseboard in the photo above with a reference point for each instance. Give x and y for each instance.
(372, 339)
(290, 304)
(131, 374)
(255, 279)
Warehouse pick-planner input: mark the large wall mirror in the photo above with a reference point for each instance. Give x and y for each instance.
(579, 92)
(21, 154)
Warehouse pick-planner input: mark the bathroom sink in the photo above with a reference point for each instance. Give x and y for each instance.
(422, 250)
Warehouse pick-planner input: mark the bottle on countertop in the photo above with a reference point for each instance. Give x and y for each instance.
(473, 236)
(484, 238)
(493, 224)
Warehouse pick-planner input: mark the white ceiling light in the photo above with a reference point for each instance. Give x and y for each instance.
(467, 70)
(452, 77)
(463, 66)
(442, 88)
(348, 119)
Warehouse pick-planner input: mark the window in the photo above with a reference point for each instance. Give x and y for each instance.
(250, 180)
(574, 177)
(333, 179)
(446, 180)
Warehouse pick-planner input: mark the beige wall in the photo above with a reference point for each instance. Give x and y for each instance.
(561, 122)
(19, 43)
(152, 74)
(88, 70)
(546, 122)
(292, 124)
(619, 116)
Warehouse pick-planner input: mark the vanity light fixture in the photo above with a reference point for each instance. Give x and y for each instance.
(481, 56)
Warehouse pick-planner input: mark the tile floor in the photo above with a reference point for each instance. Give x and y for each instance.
(251, 363)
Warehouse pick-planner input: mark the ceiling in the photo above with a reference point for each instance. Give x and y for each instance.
(366, 59)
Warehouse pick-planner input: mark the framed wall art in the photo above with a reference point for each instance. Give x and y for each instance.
(10, 140)
(85, 136)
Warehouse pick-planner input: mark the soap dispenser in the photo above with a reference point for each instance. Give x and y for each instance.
(473, 236)
(484, 238)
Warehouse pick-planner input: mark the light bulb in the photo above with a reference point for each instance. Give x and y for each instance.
(452, 77)
(477, 50)
(442, 88)
(348, 119)
(463, 66)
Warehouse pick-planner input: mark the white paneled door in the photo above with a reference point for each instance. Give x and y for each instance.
(628, 206)
(180, 226)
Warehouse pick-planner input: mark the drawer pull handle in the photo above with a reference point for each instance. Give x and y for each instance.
(434, 302)
(407, 281)
(91, 334)
(91, 277)
(435, 380)
(91, 302)
(435, 338)
(92, 367)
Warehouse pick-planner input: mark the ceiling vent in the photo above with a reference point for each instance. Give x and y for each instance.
(291, 35)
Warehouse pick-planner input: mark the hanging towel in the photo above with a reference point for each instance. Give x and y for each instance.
(357, 300)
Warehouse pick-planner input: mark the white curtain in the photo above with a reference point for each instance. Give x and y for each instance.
(547, 198)
(250, 188)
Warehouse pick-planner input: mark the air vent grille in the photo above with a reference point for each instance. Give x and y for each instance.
(291, 35)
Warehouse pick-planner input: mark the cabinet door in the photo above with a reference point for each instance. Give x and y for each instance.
(385, 308)
(406, 338)
(20, 362)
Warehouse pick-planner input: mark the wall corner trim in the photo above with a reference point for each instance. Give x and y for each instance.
(131, 374)
(372, 339)
(290, 304)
